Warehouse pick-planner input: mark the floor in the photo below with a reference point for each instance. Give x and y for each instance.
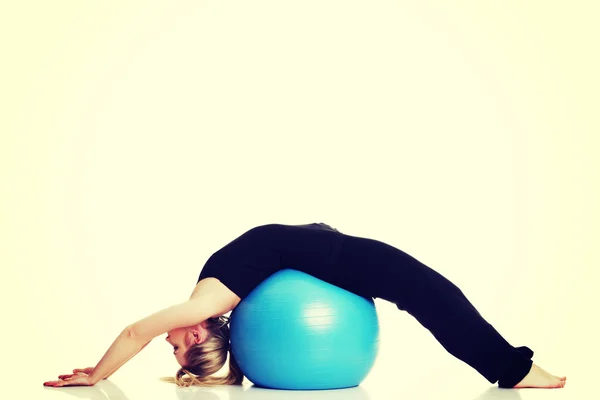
(131, 388)
(416, 368)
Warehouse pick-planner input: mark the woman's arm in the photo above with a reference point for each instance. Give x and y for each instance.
(210, 298)
(122, 350)
(119, 366)
(136, 336)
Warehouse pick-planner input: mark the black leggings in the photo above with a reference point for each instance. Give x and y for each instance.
(372, 268)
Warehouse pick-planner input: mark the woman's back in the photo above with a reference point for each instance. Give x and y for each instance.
(261, 251)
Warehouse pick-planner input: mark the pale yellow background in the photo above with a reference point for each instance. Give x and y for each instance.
(139, 137)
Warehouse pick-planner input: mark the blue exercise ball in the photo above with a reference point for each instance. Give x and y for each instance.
(294, 331)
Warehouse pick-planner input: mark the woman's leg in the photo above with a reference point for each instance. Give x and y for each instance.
(375, 269)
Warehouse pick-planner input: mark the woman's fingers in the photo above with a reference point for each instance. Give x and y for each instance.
(65, 376)
(58, 383)
(76, 371)
(75, 380)
(79, 377)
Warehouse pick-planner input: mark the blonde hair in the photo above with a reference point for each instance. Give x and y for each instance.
(208, 357)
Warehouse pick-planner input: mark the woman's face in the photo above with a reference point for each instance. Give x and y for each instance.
(182, 338)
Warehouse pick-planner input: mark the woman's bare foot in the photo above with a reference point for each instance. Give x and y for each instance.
(539, 378)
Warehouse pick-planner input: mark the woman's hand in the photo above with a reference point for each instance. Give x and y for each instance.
(79, 377)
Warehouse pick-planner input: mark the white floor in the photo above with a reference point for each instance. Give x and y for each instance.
(126, 387)
(416, 368)
(411, 364)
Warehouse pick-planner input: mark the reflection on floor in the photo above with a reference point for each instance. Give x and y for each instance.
(140, 387)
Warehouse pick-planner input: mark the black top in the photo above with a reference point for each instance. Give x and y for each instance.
(246, 261)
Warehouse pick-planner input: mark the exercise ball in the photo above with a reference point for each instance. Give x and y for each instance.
(294, 331)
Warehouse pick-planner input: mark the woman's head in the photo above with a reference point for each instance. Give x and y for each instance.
(202, 350)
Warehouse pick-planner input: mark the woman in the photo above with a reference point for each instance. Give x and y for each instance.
(199, 333)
